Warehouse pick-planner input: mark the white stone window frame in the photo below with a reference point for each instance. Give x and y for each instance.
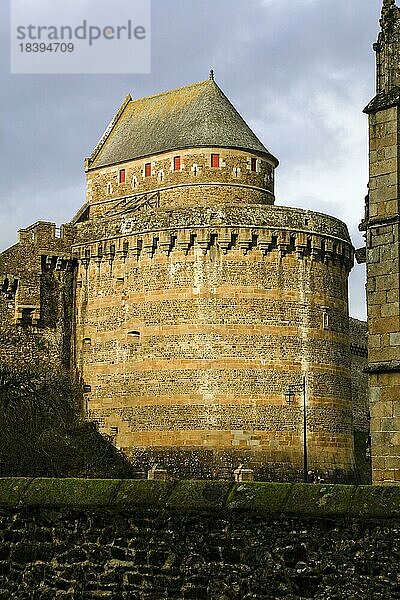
(237, 171)
(109, 188)
(134, 182)
(258, 164)
(195, 169)
(269, 176)
(172, 164)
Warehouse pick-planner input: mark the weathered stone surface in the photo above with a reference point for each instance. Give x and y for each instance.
(382, 255)
(262, 541)
(188, 304)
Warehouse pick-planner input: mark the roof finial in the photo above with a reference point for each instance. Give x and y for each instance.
(211, 74)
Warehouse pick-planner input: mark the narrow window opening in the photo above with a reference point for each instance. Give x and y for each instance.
(147, 170)
(122, 175)
(134, 337)
(114, 431)
(27, 316)
(325, 320)
(177, 163)
(254, 164)
(215, 160)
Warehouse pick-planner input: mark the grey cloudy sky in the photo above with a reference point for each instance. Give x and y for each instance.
(299, 71)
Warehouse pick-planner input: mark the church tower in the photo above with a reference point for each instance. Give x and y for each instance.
(383, 240)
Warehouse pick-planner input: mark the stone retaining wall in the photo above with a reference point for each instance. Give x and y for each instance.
(91, 539)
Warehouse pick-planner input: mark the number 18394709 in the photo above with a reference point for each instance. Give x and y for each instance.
(43, 47)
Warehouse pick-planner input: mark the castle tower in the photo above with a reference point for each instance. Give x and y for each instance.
(383, 237)
(199, 302)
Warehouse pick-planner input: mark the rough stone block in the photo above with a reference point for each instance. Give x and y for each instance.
(254, 496)
(141, 494)
(71, 492)
(202, 494)
(326, 500)
(373, 501)
(395, 337)
(12, 489)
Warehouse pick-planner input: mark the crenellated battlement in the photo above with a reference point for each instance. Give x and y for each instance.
(45, 233)
(41, 247)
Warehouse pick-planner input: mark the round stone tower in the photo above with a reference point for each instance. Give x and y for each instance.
(199, 303)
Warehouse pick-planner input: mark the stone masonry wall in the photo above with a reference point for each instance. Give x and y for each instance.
(359, 376)
(383, 273)
(191, 325)
(195, 182)
(36, 296)
(360, 399)
(137, 540)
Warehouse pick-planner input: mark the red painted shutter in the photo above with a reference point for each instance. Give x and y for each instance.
(147, 170)
(122, 175)
(215, 160)
(177, 163)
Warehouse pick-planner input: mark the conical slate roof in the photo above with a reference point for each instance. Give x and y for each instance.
(198, 115)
